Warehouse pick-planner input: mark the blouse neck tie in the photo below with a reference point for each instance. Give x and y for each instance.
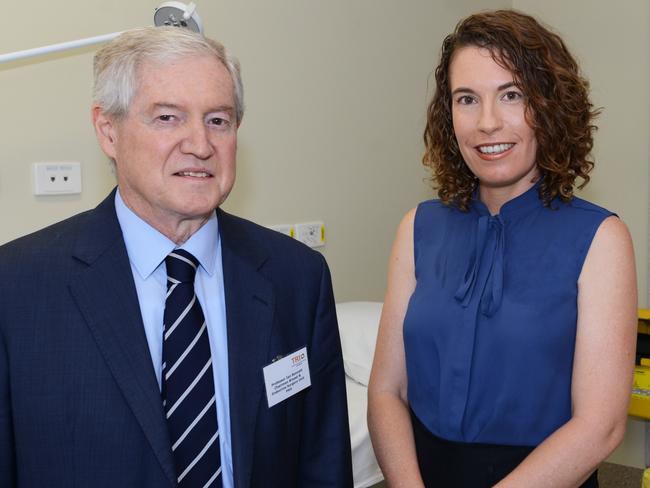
(485, 269)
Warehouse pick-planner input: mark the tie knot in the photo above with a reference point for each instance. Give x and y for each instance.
(181, 266)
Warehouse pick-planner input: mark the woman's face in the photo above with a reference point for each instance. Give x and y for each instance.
(488, 112)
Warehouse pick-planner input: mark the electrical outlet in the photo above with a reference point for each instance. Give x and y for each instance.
(311, 233)
(57, 178)
(286, 229)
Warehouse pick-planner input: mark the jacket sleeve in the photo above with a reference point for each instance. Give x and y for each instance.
(7, 455)
(325, 442)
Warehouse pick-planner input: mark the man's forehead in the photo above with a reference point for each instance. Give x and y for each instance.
(183, 80)
(189, 63)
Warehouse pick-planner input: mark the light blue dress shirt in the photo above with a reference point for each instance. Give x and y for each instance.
(147, 249)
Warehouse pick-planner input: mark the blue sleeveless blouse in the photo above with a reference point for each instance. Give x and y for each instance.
(490, 329)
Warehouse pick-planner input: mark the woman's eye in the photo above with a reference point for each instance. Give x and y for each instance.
(511, 96)
(465, 100)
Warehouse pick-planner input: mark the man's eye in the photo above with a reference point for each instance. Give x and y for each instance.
(165, 117)
(218, 121)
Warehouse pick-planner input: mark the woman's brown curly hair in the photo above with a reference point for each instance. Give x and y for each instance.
(558, 107)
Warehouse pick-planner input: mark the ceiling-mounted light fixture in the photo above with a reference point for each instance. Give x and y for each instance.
(176, 14)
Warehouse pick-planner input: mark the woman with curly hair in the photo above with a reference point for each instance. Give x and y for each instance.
(506, 344)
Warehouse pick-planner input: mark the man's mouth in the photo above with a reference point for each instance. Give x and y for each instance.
(196, 174)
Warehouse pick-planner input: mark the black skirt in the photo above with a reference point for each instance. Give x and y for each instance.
(449, 464)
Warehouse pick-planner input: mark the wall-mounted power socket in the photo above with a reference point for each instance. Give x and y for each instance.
(286, 229)
(60, 178)
(311, 233)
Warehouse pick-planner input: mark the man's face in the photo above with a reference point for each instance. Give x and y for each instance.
(175, 149)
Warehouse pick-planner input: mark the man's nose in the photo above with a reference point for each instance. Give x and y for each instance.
(197, 141)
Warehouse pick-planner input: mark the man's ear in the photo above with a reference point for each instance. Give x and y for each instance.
(105, 130)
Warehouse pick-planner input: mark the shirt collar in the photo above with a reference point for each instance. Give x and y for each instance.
(147, 247)
(519, 205)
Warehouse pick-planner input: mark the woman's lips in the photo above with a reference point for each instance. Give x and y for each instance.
(494, 151)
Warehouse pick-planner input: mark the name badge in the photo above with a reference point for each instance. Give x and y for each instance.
(287, 376)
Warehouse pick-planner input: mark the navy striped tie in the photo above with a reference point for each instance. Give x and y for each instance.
(188, 382)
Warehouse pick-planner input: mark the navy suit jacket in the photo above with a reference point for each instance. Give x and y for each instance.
(79, 402)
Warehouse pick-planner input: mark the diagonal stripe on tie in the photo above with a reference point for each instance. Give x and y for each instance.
(189, 388)
(214, 477)
(188, 381)
(188, 309)
(198, 457)
(193, 424)
(187, 351)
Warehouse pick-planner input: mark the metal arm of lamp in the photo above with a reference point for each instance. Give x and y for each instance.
(176, 14)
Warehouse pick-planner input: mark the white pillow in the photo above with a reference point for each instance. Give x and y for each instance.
(358, 324)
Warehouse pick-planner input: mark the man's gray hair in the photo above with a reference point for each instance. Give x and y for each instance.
(117, 64)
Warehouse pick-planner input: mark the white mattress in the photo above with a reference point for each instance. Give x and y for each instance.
(358, 324)
(364, 465)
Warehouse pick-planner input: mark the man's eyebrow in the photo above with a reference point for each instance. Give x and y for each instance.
(222, 108)
(174, 106)
(167, 105)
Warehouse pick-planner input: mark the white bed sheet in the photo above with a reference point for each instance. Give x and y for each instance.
(358, 324)
(364, 464)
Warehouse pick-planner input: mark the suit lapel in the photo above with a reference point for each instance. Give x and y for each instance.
(106, 296)
(249, 315)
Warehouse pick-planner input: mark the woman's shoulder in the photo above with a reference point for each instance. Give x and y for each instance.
(577, 216)
(578, 205)
(435, 207)
(434, 203)
(437, 213)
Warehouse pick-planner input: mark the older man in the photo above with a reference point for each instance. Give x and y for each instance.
(157, 340)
